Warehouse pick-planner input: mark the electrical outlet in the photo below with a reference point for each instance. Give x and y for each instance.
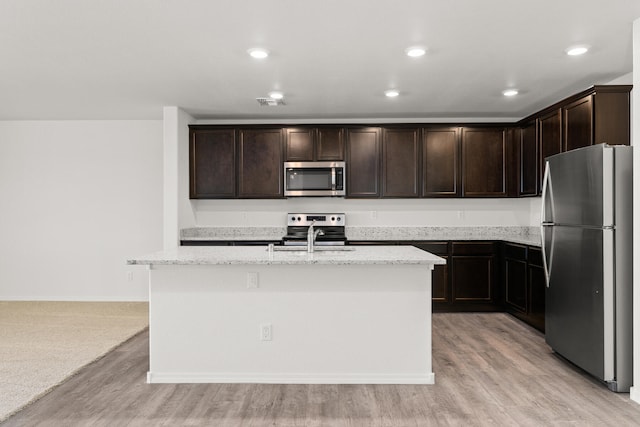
(374, 214)
(265, 332)
(252, 280)
(130, 276)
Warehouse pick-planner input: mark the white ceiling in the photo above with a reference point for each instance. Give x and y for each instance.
(333, 59)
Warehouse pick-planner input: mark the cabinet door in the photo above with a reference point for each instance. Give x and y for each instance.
(578, 123)
(440, 289)
(611, 110)
(472, 278)
(330, 144)
(400, 163)
(537, 284)
(260, 163)
(363, 162)
(529, 160)
(550, 139)
(299, 144)
(441, 162)
(473, 281)
(440, 282)
(515, 278)
(484, 162)
(212, 164)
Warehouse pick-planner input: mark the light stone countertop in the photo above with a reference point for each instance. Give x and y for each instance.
(252, 255)
(233, 233)
(512, 234)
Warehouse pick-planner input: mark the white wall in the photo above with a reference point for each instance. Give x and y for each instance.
(78, 199)
(178, 212)
(635, 128)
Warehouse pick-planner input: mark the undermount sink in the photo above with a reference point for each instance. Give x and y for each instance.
(324, 249)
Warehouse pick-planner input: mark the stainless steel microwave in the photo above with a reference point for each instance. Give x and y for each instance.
(314, 179)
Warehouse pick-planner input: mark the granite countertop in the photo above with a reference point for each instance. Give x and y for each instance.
(512, 234)
(234, 255)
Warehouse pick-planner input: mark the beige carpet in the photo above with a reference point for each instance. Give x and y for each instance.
(43, 343)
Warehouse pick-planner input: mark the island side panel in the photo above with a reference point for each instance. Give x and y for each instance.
(337, 324)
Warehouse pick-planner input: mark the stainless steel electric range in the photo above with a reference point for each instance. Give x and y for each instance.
(331, 224)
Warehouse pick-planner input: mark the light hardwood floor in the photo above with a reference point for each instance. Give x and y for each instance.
(491, 370)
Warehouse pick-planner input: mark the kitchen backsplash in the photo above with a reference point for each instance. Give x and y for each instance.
(364, 213)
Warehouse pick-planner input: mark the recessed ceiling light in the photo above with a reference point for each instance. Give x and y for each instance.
(391, 93)
(510, 92)
(415, 51)
(276, 95)
(258, 53)
(576, 50)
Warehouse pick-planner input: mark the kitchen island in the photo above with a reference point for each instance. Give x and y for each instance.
(248, 314)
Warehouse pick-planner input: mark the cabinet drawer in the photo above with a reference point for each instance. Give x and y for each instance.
(205, 243)
(535, 256)
(437, 248)
(372, 242)
(515, 251)
(256, 242)
(472, 248)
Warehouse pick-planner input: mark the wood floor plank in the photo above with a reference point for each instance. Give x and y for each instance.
(491, 370)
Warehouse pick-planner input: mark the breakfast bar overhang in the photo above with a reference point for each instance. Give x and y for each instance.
(253, 315)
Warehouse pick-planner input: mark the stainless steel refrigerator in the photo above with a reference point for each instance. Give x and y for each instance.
(587, 246)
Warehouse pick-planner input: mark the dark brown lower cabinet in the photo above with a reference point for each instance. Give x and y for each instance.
(537, 286)
(473, 277)
(515, 278)
(468, 281)
(524, 284)
(230, 242)
(440, 287)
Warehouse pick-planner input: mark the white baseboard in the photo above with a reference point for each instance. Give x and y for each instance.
(310, 378)
(634, 393)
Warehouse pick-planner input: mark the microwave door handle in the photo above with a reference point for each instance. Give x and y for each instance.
(333, 179)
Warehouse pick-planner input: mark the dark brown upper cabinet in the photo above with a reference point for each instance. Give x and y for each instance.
(412, 160)
(598, 115)
(484, 162)
(578, 123)
(528, 160)
(212, 163)
(549, 139)
(612, 115)
(441, 162)
(400, 162)
(601, 116)
(306, 144)
(260, 163)
(363, 162)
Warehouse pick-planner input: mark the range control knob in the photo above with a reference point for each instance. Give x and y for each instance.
(299, 219)
(333, 218)
(293, 218)
(339, 219)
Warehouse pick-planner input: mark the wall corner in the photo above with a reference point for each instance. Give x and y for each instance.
(176, 206)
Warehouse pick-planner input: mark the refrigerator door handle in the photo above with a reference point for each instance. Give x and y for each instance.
(545, 223)
(608, 297)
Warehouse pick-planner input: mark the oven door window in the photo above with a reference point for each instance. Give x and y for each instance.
(309, 179)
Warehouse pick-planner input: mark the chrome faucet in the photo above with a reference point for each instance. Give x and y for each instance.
(311, 236)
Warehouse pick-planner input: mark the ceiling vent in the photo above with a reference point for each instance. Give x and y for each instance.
(270, 102)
